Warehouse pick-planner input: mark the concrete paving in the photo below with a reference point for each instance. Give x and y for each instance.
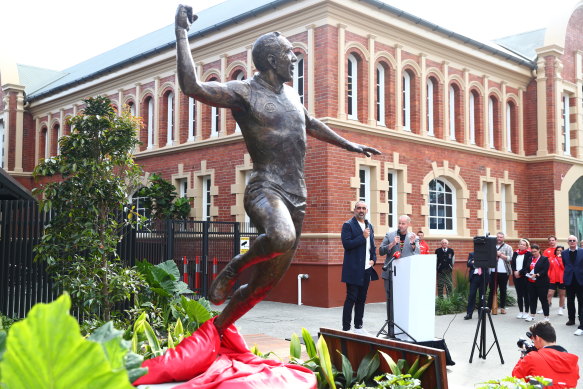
(281, 320)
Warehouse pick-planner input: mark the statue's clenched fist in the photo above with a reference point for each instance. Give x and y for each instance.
(184, 17)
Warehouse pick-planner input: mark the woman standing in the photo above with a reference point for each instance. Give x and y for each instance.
(519, 258)
(538, 282)
(556, 270)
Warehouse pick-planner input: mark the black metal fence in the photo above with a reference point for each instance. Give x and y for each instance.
(199, 248)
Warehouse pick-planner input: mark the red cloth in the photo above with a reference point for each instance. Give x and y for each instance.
(560, 366)
(235, 367)
(556, 270)
(423, 247)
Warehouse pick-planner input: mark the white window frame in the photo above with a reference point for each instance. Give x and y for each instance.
(508, 128)
(451, 112)
(406, 101)
(299, 77)
(485, 208)
(430, 102)
(206, 197)
(247, 177)
(214, 122)
(566, 126)
(182, 185)
(47, 144)
(240, 77)
(364, 187)
(491, 123)
(472, 118)
(150, 122)
(380, 91)
(453, 207)
(191, 119)
(352, 92)
(2, 136)
(170, 119)
(392, 198)
(132, 107)
(503, 200)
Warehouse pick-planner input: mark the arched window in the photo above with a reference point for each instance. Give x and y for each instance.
(132, 108)
(352, 84)
(441, 206)
(452, 113)
(239, 77)
(566, 127)
(380, 94)
(472, 118)
(1, 143)
(298, 77)
(491, 117)
(509, 129)
(215, 118)
(150, 122)
(191, 118)
(576, 208)
(406, 100)
(430, 104)
(170, 119)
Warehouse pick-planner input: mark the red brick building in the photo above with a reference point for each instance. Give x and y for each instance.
(475, 136)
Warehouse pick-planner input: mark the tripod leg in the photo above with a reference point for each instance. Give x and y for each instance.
(476, 336)
(496, 339)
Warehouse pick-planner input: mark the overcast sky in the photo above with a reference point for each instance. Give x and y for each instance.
(56, 34)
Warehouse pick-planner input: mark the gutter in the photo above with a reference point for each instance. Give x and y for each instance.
(159, 49)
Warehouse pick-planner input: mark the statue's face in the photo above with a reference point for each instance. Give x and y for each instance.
(285, 60)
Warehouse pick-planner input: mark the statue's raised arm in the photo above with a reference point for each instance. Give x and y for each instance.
(213, 93)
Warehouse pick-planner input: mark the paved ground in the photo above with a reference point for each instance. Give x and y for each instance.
(280, 320)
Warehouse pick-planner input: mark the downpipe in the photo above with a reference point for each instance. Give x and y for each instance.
(300, 277)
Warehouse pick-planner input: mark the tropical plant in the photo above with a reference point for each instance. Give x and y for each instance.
(86, 187)
(515, 383)
(161, 198)
(48, 343)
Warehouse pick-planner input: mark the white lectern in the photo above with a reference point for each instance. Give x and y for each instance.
(414, 296)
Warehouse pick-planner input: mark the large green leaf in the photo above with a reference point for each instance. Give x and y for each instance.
(46, 350)
(325, 361)
(196, 312)
(295, 348)
(347, 370)
(309, 342)
(368, 366)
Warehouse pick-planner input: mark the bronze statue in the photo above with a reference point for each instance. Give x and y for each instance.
(274, 124)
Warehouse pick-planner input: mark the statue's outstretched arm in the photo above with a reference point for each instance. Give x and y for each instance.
(319, 130)
(225, 95)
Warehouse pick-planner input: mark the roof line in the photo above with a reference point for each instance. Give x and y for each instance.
(450, 34)
(157, 50)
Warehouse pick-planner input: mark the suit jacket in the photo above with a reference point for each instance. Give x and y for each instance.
(444, 259)
(472, 268)
(541, 268)
(407, 250)
(573, 270)
(525, 263)
(354, 244)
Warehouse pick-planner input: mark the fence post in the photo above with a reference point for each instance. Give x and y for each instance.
(205, 255)
(185, 269)
(237, 238)
(169, 239)
(197, 274)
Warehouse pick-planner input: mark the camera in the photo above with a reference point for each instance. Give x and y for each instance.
(525, 345)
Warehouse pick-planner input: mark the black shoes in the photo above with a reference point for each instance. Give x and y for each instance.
(468, 317)
(571, 322)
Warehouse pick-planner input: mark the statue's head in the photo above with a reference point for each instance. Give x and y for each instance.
(272, 52)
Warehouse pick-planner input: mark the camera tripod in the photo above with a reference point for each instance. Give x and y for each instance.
(390, 322)
(483, 312)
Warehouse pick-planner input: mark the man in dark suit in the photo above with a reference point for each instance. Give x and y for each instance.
(445, 259)
(573, 279)
(357, 268)
(478, 280)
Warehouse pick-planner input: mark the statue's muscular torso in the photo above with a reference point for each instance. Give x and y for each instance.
(274, 127)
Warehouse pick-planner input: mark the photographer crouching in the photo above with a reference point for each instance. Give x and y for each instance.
(547, 359)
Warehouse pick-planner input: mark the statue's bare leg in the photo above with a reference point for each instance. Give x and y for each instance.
(270, 213)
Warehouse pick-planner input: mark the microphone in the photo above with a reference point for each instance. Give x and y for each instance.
(365, 223)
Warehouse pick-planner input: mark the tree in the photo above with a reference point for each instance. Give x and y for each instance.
(93, 176)
(161, 198)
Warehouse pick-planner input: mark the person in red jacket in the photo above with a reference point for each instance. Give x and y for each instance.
(423, 246)
(549, 360)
